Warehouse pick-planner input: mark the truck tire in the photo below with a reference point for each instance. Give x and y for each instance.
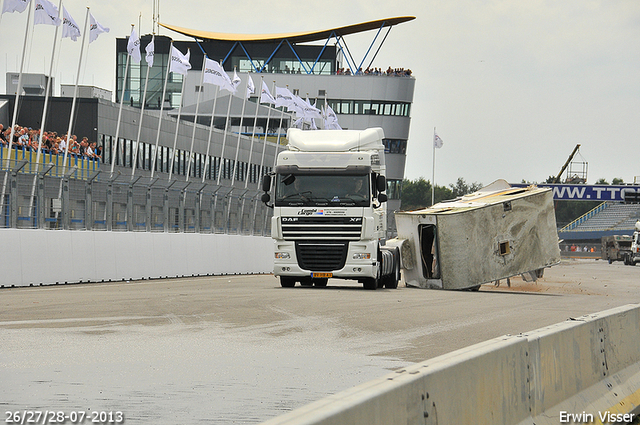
(391, 281)
(370, 283)
(287, 281)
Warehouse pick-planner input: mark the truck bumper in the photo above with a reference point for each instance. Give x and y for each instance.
(286, 263)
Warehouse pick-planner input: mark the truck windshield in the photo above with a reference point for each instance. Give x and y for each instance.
(322, 190)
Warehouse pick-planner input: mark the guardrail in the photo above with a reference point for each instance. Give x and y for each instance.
(584, 370)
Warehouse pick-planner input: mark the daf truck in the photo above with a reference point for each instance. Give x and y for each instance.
(329, 219)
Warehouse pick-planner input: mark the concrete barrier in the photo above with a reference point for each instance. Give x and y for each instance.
(40, 257)
(586, 366)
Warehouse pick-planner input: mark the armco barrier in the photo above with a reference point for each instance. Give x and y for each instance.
(584, 366)
(34, 257)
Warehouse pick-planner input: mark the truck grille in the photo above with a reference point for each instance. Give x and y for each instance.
(321, 256)
(321, 228)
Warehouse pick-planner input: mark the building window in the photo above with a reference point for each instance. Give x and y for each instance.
(395, 146)
(394, 189)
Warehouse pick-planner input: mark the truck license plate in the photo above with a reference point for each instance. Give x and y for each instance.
(321, 274)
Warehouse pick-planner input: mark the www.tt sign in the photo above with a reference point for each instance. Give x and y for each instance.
(583, 192)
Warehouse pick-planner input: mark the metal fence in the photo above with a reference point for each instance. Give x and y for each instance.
(94, 201)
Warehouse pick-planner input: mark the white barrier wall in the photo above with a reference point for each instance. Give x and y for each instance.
(587, 366)
(34, 257)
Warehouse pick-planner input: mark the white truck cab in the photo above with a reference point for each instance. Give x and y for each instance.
(329, 210)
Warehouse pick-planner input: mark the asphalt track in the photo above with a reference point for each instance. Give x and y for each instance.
(241, 349)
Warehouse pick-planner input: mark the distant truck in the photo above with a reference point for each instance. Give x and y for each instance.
(633, 256)
(616, 248)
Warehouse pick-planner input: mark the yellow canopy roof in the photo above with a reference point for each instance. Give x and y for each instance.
(294, 37)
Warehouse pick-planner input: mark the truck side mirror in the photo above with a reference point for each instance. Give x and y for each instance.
(266, 183)
(265, 198)
(382, 198)
(381, 183)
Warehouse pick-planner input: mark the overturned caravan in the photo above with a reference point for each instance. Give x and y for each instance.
(494, 233)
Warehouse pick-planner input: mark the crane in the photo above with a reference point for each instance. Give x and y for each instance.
(566, 164)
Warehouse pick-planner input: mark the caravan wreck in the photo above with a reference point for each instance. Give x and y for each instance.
(492, 234)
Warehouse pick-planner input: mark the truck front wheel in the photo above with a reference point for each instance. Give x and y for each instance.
(287, 281)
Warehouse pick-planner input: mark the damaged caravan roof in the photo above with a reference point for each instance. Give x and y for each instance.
(497, 192)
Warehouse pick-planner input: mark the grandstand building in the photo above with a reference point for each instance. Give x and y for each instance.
(317, 72)
(216, 188)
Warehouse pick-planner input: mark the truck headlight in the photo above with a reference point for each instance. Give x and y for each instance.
(362, 256)
(282, 255)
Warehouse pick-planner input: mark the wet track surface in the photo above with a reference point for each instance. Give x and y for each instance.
(240, 349)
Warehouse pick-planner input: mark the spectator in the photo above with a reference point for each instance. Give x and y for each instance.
(62, 144)
(3, 137)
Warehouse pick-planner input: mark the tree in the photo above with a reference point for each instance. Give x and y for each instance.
(462, 188)
(416, 194)
(602, 181)
(617, 180)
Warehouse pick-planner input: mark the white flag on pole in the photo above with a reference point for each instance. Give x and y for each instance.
(215, 74)
(150, 49)
(331, 122)
(133, 46)
(297, 105)
(265, 95)
(69, 27)
(236, 81)
(283, 97)
(251, 88)
(46, 13)
(437, 141)
(95, 29)
(15, 6)
(179, 62)
(311, 111)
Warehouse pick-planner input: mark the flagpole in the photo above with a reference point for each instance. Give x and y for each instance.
(235, 160)
(144, 99)
(15, 110)
(195, 118)
(224, 138)
(433, 169)
(75, 95)
(124, 85)
(253, 133)
(264, 149)
(275, 155)
(264, 145)
(44, 113)
(164, 91)
(213, 111)
(175, 138)
(46, 94)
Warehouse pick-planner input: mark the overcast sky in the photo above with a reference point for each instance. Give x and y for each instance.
(510, 86)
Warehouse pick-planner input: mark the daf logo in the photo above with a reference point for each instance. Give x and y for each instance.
(288, 219)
